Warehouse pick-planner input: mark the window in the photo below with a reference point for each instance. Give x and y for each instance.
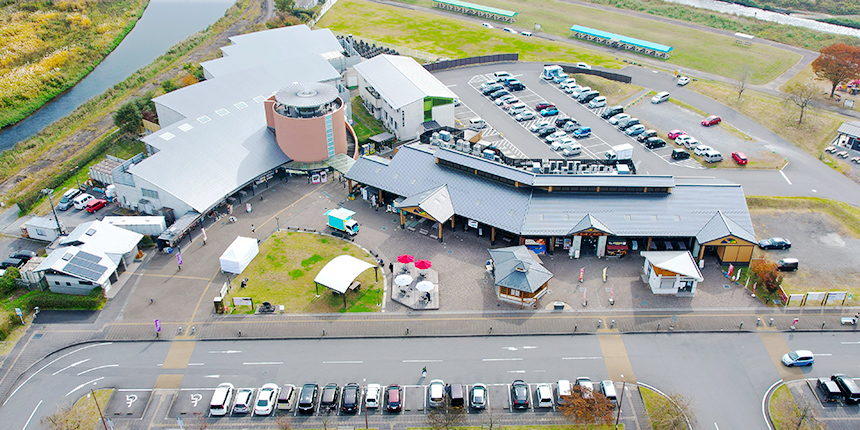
(149, 193)
(68, 284)
(40, 232)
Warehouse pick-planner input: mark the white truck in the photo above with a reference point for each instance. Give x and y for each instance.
(341, 219)
(620, 153)
(551, 72)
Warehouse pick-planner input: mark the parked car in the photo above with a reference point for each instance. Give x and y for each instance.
(244, 397)
(371, 397)
(660, 97)
(222, 397)
(515, 85)
(597, 102)
(712, 156)
(560, 122)
(571, 127)
(510, 30)
(582, 132)
(621, 116)
(636, 129)
(739, 157)
(682, 138)
(526, 33)
(546, 131)
(654, 143)
(23, 254)
(351, 397)
(12, 262)
(683, 80)
(680, 154)
(675, 133)
(573, 90)
(329, 396)
(587, 97)
(646, 134)
(564, 388)
(510, 99)
(607, 387)
(549, 112)
(487, 25)
(66, 201)
(437, 392)
(711, 120)
(308, 398)
(491, 88)
(543, 105)
(515, 108)
(266, 399)
(787, 265)
(584, 386)
(774, 243)
(393, 396)
(556, 135)
(525, 115)
(580, 91)
(95, 204)
(544, 396)
(829, 390)
(612, 111)
(286, 397)
(691, 143)
(562, 143)
(849, 388)
(520, 394)
(800, 357)
(702, 149)
(478, 397)
(629, 123)
(569, 82)
(499, 93)
(538, 125)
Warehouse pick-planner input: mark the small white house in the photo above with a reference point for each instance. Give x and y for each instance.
(43, 229)
(70, 270)
(98, 237)
(671, 272)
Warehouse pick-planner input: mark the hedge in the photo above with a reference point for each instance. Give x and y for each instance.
(48, 300)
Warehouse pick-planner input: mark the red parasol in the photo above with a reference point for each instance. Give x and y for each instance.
(405, 259)
(423, 264)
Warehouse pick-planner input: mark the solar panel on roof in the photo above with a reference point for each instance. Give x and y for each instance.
(67, 256)
(87, 257)
(90, 232)
(83, 272)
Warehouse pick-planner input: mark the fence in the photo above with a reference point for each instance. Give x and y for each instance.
(463, 62)
(608, 75)
(409, 52)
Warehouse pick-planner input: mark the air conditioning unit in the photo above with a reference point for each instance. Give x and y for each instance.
(445, 135)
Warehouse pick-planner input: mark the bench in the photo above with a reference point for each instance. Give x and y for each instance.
(355, 286)
(849, 321)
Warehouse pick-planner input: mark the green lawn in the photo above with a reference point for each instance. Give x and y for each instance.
(283, 273)
(446, 37)
(615, 92)
(695, 49)
(364, 125)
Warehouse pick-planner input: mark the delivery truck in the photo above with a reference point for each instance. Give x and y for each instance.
(620, 153)
(341, 219)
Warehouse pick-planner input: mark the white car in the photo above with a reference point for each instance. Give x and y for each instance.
(683, 80)
(436, 390)
(526, 33)
(555, 136)
(544, 396)
(525, 116)
(622, 116)
(569, 82)
(682, 138)
(510, 30)
(701, 149)
(636, 129)
(571, 89)
(562, 143)
(538, 125)
(579, 91)
(510, 99)
(691, 143)
(266, 399)
(371, 398)
(479, 396)
(487, 24)
(586, 387)
(244, 397)
(581, 65)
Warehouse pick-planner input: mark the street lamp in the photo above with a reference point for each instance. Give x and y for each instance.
(277, 220)
(48, 192)
(76, 177)
(620, 401)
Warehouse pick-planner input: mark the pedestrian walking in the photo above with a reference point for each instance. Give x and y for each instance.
(253, 229)
(424, 372)
(391, 267)
(151, 301)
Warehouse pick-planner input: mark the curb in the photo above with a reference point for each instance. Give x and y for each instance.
(765, 403)
(689, 425)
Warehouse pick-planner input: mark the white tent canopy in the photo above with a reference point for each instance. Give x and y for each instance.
(339, 273)
(239, 254)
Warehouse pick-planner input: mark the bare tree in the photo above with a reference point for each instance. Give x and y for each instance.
(284, 423)
(586, 407)
(671, 413)
(445, 417)
(801, 95)
(66, 417)
(742, 80)
(799, 414)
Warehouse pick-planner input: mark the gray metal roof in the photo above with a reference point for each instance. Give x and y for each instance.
(436, 202)
(545, 180)
(306, 94)
(721, 226)
(535, 212)
(484, 165)
(401, 80)
(519, 268)
(850, 128)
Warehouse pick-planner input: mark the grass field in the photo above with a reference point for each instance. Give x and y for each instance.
(696, 49)
(451, 38)
(283, 274)
(784, 409)
(615, 92)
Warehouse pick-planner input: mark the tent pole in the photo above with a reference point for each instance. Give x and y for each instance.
(376, 272)
(317, 285)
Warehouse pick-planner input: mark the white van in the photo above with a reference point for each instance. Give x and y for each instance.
(80, 201)
(607, 387)
(660, 97)
(544, 394)
(221, 398)
(597, 102)
(564, 388)
(437, 392)
(477, 123)
(572, 150)
(712, 156)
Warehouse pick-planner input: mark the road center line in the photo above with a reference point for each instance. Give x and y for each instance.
(823, 355)
(502, 359)
(195, 364)
(262, 363)
(97, 368)
(31, 415)
(850, 343)
(344, 362)
(70, 366)
(581, 358)
(84, 384)
(785, 177)
(422, 361)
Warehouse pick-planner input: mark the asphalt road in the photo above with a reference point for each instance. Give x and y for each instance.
(725, 375)
(803, 176)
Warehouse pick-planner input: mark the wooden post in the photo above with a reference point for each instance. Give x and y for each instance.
(441, 225)
(648, 246)
(380, 198)
(701, 252)
(492, 235)
(344, 298)
(452, 222)
(402, 219)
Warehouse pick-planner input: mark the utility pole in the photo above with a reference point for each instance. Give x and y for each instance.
(48, 192)
(99, 408)
(76, 177)
(620, 401)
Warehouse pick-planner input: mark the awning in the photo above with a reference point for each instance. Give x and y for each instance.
(611, 247)
(381, 137)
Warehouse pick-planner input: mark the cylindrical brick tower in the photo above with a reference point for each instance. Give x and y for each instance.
(308, 121)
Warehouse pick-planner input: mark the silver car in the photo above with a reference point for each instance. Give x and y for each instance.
(244, 398)
(479, 396)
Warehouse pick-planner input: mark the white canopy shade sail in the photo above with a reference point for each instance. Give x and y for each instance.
(339, 273)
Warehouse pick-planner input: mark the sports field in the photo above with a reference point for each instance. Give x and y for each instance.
(460, 35)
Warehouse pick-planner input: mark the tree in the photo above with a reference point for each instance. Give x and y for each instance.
(586, 407)
(742, 80)
(284, 423)
(285, 6)
(837, 63)
(768, 272)
(796, 415)
(66, 417)
(445, 417)
(801, 94)
(128, 118)
(671, 413)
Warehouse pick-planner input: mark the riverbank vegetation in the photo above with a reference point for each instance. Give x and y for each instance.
(46, 47)
(835, 7)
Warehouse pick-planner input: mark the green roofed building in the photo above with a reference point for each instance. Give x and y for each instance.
(477, 10)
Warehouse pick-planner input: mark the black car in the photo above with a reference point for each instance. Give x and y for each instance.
(646, 134)
(351, 397)
(308, 398)
(515, 85)
(392, 398)
(774, 243)
(560, 122)
(586, 97)
(11, 262)
(680, 154)
(628, 124)
(491, 89)
(546, 131)
(850, 389)
(612, 111)
(23, 254)
(330, 394)
(654, 143)
(520, 394)
(499, 93)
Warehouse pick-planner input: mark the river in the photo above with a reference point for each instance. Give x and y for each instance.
(163, 24)
(764, 15)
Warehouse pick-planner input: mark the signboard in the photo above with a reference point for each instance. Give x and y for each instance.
(472, 223)
(315, 178)
(179, 258)
(224, 289)
(567, 243)
(323, 176)
(18, 312)
(243, 301)
(782, 295)
(157, 325)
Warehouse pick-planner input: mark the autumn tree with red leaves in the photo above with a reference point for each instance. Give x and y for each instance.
(837, 63)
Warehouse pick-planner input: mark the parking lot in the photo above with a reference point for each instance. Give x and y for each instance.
(837, 415)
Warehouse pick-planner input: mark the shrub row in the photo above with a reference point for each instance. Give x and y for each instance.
(49, 300)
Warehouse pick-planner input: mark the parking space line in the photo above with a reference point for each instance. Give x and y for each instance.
(784, 177)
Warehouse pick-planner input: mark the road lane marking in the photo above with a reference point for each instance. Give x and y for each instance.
(529, 347)
(421, 361)
(263, 363)
(502, 359)
(70, 366)
(196, 364)
(850, 343)
(229, 351)
(97, 368)
(85, 384)
(784, 177)
(581, 358)
(344, 362)
(31, 415)
(822, 355)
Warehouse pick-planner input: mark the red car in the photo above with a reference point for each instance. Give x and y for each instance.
(95, 204)
(711, 120)
(541, 106)
(739, 157)
(675, 133)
